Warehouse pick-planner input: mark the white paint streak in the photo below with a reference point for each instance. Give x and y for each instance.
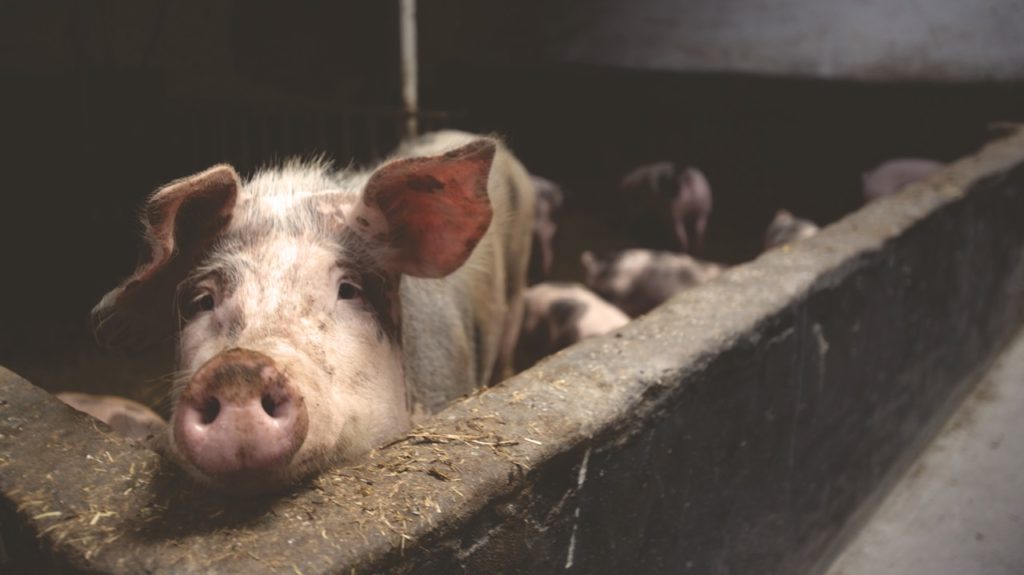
(581, 478)
(462, 555)
(822, 345)
(572, 548)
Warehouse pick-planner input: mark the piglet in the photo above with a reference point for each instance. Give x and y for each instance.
(127, 417)
(542, 253)
(786, 228)
(659, 200)
(691, 209)
(557, 315)
(892, 176)
(638, 280)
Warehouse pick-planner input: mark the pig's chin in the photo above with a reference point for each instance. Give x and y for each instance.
(244, 482)
(306, 464)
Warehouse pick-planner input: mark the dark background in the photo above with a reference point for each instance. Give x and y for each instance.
(102, 102)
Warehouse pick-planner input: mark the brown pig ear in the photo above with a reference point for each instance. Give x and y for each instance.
(181, 221)
(430, 212)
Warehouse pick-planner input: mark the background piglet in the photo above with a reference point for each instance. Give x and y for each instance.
(691, 209)
(786, 228)
(319, 308)
(666, 207)
(542, 253)
(638, 280)
(127, 417)
(892, 176)
(557, 315)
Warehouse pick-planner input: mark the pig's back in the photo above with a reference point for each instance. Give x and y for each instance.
(459, 332)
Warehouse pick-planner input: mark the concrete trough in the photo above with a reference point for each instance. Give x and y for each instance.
(745, 426)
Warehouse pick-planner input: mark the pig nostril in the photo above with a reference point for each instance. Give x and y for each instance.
(209, 410)
(269, 405)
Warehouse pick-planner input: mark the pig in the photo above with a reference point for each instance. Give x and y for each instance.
(660, 198)
(315, 311)
(691, 209)
(542, 253)
(638, 280)
(557, 315)
(786, 228)
(126, 417)
(892, 176)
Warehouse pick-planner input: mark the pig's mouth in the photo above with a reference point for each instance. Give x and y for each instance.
(240, 484)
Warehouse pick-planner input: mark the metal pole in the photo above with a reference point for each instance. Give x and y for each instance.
(410, 96)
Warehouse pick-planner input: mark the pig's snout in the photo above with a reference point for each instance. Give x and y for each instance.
(240, 417)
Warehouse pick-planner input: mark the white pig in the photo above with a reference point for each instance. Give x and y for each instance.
(318, 308)
(638, 280)
(557, 315)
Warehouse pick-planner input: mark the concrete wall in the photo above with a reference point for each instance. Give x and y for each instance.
(742, 427)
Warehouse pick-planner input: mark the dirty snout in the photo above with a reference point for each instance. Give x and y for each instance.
(239, 421)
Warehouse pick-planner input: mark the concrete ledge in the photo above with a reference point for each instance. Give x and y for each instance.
(738, 428)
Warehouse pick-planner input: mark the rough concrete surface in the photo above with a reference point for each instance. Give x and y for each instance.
(735, 429)
(960, 509)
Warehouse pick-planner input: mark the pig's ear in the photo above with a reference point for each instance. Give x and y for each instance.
(428, 212)
(181, 221)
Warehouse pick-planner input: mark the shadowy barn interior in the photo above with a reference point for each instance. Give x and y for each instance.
(781, 104)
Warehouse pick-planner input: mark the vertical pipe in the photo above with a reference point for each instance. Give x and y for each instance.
(410, 96)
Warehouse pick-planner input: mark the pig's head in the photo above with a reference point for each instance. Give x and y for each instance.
(284, 294)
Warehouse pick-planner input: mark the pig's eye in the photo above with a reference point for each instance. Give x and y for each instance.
(348, 290)
(204, 302)
(199, 303)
